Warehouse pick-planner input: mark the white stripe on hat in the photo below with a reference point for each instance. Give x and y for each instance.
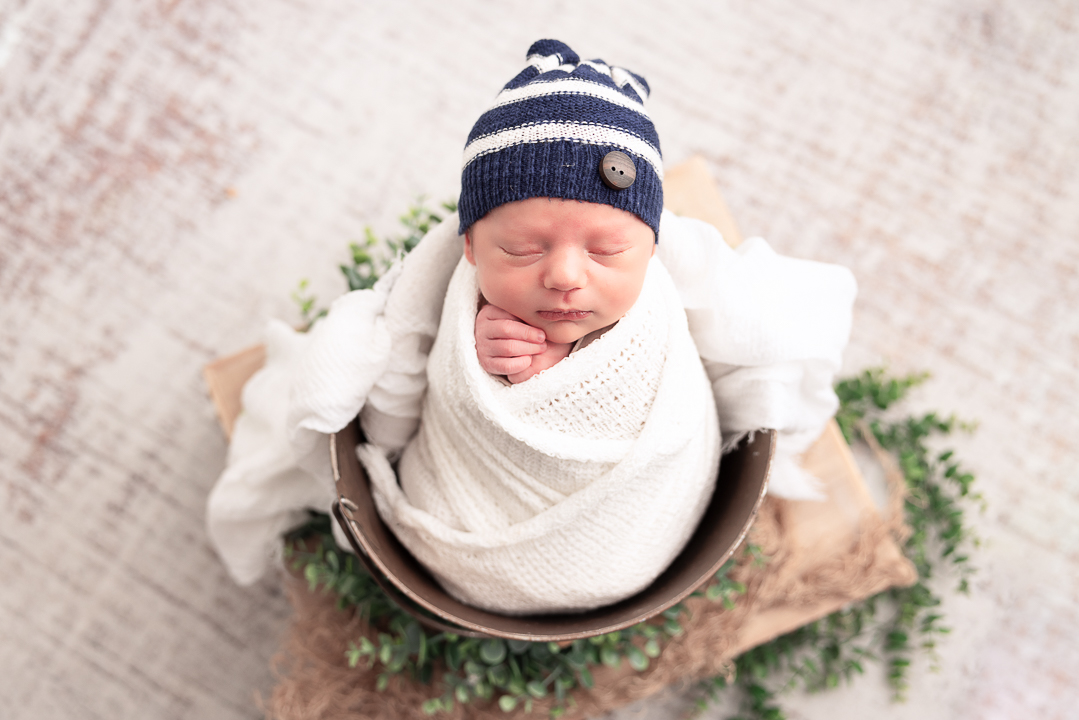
(547, 63)
(577, 132)
(568, 86)
(623, 77)
(601, 68)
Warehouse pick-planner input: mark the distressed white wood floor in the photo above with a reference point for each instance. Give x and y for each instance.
(170, 170)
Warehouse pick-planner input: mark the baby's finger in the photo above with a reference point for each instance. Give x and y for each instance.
(505, 365)
(510, 348)
(512, 330)
(497, 323)
(520, 377)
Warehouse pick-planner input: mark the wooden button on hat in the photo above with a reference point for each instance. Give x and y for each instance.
(617, 170)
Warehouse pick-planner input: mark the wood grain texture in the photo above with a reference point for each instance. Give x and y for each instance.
(170, 170)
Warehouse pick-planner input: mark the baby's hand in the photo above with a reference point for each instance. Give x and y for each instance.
(507, 346)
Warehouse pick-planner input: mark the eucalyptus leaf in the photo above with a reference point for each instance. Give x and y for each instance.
(540, 651)
(493, 651)
(413, 633)
(518, 647)
(499, 676)
(311, 573)
(637, 659)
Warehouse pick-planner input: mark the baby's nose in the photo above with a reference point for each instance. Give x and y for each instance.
(565, 271)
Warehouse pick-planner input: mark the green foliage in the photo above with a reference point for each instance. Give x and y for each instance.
(370, 259)
(373, 257)
(894, 625)
(517, 672)
(305, 301)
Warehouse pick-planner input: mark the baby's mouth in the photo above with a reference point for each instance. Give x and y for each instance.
(564, 314)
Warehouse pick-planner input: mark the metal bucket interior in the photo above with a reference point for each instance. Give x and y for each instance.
(739, 491)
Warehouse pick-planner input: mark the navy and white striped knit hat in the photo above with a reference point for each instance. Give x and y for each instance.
(550, 128)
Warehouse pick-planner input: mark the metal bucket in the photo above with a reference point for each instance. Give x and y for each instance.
(739, 492)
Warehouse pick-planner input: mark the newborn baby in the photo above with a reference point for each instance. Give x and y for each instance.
(552, 272)
(576, 488)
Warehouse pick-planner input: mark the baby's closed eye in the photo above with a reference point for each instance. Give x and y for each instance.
(521, 250)
(609, 252)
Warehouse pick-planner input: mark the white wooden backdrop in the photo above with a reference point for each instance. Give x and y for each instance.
(169, 170)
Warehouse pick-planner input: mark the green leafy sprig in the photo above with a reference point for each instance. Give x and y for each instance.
(899, 622)
(370, 259)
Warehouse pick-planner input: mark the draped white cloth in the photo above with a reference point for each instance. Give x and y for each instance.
(769, 330)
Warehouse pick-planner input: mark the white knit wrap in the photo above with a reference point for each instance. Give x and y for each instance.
(571, 490)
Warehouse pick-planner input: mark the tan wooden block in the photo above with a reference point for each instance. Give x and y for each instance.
(226, 377)
(690, 191)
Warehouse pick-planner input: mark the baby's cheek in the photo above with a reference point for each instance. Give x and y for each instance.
(491, 288)
(511, 301)
(625, 295)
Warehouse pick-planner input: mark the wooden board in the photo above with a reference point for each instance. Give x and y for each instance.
(225, 379)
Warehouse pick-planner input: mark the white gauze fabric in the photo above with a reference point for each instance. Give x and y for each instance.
(571, 490)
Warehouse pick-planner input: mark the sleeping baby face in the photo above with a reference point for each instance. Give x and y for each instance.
(564, 266)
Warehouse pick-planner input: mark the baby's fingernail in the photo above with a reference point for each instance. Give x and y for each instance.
(542, 337)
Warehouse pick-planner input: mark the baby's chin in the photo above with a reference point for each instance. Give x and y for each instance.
(566, 332)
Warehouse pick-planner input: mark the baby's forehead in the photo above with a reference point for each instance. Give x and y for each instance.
(540, 215)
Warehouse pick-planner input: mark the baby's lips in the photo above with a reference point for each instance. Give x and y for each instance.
(555, 315)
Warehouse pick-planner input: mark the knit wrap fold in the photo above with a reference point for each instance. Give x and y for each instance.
(571, 490)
